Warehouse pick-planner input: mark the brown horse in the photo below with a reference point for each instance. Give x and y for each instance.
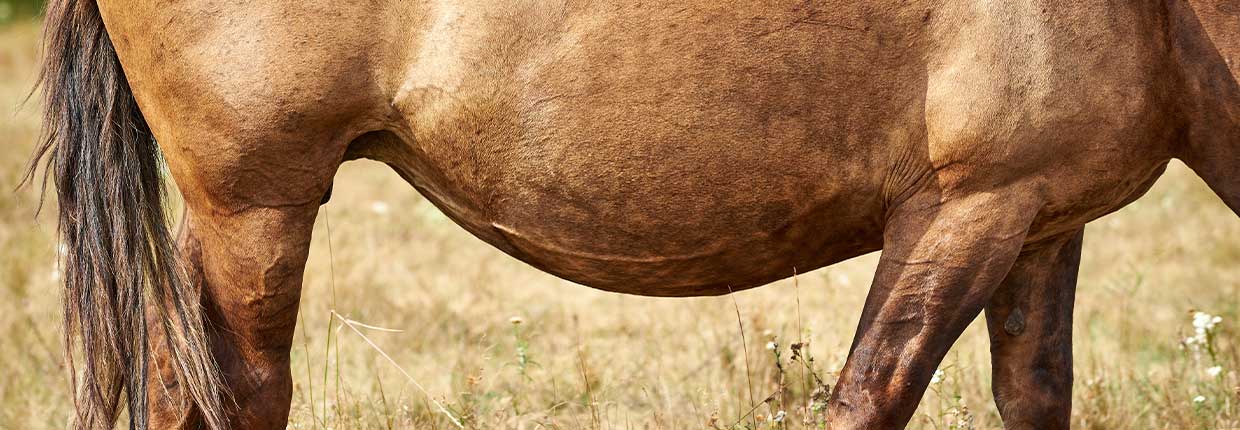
(674, 148)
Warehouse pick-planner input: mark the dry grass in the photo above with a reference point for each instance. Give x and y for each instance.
(584, 359)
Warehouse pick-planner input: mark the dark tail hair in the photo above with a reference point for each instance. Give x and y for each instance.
(118, 257)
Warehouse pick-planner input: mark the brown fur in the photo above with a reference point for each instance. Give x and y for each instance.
(690, 148)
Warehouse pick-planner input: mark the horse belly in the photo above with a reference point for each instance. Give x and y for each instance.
(661, 245)
(677, 157)
(637, 206)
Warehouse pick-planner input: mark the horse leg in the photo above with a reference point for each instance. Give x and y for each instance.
(1030, 323)
(251, 196)
(1203, 45)
(942, 260)
(248, 266)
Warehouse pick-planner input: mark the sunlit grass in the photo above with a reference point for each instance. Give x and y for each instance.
(584, 359)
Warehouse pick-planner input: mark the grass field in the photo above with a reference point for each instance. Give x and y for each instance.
(584, 359)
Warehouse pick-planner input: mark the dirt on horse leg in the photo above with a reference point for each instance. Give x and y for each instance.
(1030, 323)
(249, 267)
(942, 260)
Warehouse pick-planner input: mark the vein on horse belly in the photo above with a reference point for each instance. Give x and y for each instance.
(545, 245)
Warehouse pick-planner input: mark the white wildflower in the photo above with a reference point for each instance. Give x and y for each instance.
(772, 346)
(1214, 371)
(1203, 327)
(937, 378)
(1204, 323)
(1199, 399)
(779, 417)
(379, 207)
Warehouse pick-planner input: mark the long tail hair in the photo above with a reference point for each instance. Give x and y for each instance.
(118, 257)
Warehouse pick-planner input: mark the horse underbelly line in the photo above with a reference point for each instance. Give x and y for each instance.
(541, 247)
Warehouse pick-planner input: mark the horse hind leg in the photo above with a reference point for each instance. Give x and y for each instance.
(248, 267)
(1030, 323)
(251, 202)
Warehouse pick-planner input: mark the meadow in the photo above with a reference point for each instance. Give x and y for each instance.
(485, 341)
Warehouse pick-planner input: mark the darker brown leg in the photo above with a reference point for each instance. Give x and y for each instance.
(941, 263)
(249, 266)
(1030, 324)
(1209, 98)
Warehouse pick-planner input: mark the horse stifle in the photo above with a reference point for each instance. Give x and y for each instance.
(675, 148)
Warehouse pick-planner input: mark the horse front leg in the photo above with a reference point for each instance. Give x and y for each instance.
(248, 266)
(942, 260)
(1030, 323)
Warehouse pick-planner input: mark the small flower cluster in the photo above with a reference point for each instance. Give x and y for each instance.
(1203, 339)
(1213, 372)
(777, 419)
(1203, 331)
(959, 418)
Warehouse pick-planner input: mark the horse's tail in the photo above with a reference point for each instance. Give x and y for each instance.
(118, 258)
